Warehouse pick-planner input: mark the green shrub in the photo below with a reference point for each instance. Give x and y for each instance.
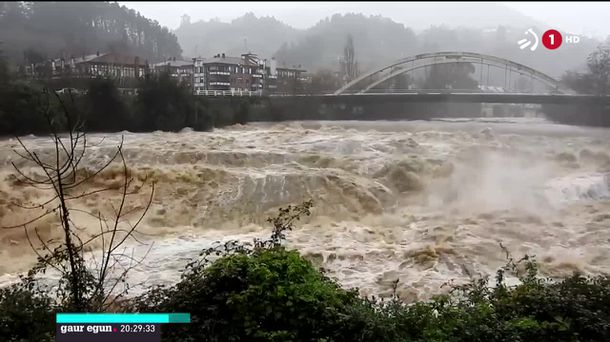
(263, 292)
(538, 309)
(268, 295)
(260, 292)
(21, 110)
(163, 104)
(105, 109)
(25, 315)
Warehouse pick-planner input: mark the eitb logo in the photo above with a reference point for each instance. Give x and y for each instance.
(525, 42)
(551, 39)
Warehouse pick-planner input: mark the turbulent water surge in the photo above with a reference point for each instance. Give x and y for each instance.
(422, 202)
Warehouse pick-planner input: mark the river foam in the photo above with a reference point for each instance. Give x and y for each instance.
(423, 202)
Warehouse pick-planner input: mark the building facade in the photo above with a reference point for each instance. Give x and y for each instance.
(125, 69)
(222, 74)
(290, 81)
(219, 74)
(182, 71)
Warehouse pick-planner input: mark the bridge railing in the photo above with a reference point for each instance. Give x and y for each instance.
(418, 91)
(229, 93)
(259, 93)
(246, 93)
(444, 91)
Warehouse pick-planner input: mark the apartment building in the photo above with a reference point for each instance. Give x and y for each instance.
(247, 73)
(224, 73)
(125, 69)
(180, 70)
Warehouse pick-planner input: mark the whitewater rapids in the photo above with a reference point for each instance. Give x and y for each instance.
(422, 202)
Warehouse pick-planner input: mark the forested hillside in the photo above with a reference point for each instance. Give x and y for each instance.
(32, 31)
(377, 40)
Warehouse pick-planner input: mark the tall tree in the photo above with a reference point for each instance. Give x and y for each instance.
(105, 110)
(450, 76)
(33, 56)
(4, 76)
(401, 82)
(350, 65)
(162, 103)
(596, 79)
(599, 68)
(324, 81)
(12, 12)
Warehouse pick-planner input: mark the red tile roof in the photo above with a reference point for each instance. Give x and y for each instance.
(113, 58)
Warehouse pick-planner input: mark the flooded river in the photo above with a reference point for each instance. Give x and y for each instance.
(421, 201)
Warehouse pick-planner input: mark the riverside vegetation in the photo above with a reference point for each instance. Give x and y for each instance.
(161, 104)
(263, 291)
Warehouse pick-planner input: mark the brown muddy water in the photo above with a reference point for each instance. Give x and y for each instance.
(422, 202)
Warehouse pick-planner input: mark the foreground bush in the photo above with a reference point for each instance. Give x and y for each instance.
(260, 292)
(574, 309)
(269, 295)
(25, 315)
(276, 295)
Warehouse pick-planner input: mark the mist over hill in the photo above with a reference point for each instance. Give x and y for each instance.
(39, 30)
(417, 16)
(262, 35)
(378, 40)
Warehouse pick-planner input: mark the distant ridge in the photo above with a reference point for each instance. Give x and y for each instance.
(379, 40)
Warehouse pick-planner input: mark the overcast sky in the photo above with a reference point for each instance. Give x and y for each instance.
(590, 18)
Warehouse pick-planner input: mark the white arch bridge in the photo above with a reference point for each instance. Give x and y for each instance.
(375, 80)
(372, 87)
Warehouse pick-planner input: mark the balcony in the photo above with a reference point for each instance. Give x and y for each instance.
(226, 73)
(228, 93)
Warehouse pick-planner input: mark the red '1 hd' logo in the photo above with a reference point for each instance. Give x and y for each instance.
(552, 39)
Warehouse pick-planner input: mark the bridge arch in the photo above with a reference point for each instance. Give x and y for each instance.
(368, 81)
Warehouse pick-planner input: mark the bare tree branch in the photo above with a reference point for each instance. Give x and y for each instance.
(86, 288)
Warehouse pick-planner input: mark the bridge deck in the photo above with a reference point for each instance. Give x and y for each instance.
(457, 98)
